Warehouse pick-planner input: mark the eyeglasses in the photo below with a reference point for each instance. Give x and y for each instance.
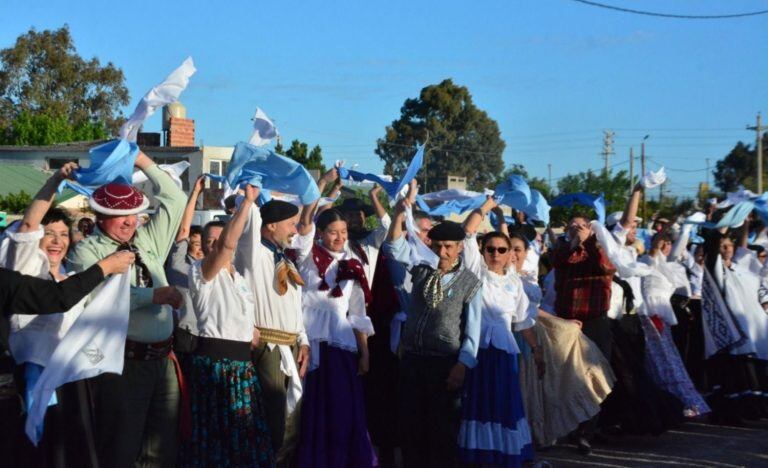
(500, 250)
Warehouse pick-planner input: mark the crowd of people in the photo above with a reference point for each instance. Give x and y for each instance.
(294, 335)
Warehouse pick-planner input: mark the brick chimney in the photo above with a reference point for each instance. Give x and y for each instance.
(181, 132)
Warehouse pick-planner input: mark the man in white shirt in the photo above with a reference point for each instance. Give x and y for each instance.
(282, 354)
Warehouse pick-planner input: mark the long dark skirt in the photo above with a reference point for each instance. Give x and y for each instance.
(636, 403)
(334, 431)
(68, 439)
(228, 424)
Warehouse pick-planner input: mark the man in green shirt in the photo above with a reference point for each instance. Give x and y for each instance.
(137, 412)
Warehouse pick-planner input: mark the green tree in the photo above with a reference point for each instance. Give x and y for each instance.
(300, 152)
(536, 183)
(739, 167)
(463, 139)
(15, 202)
(43, 129)
(43, 75)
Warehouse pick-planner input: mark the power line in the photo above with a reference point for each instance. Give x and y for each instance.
(670, 15)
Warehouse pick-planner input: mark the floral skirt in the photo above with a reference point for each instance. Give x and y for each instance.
(493, 427)
(666, 368)
(228, 424)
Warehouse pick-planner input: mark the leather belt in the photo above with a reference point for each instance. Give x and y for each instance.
(148, 351)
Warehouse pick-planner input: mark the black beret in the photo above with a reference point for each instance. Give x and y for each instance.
(447, 231)
(355, 204)
(274, 211)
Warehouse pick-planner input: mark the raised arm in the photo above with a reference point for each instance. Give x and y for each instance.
(189, 210)
(476, 217)
(307, 218)
(44, 198)
(160, 231)
(396, 228)
(503, 226)
(224, 248)
(377, 206)
(630, 211)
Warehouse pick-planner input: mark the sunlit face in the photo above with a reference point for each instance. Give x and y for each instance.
(118, 228)
(632, 232)
(282, 232)
(664, 247)
(726, 249)
(424, 226)
(518, 253)
(195, 246)
(448, 251)
(210, 236)
(334, 236)
(55, 242)
(496, 253)
(698, 254)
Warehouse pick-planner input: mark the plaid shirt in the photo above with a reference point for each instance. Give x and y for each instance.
(582, 280)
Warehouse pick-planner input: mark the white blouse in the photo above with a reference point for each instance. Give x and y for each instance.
(505, 304)
(327, 318)
(33, 338)
(741, 286)
(223, 306)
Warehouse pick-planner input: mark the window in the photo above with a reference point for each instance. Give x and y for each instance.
(218, 167)
(54, 164)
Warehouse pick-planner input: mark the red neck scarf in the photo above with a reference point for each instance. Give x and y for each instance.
(350, 269)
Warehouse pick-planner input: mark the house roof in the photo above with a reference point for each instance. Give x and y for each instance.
(17, 177)
(84, 146)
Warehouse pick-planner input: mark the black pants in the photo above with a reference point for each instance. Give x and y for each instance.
(599, 331)
(429, 413)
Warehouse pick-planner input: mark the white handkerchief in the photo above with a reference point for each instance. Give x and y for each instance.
(174, 170)
(654, 179)
(165, 93)
(263, 129)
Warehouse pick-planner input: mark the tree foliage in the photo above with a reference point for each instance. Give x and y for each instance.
(739, 167)
(15, 202)
(300, 152)
(45, 86)
(43, 129)
(463, 139)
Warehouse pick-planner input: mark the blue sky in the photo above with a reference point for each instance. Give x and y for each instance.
(553, 73)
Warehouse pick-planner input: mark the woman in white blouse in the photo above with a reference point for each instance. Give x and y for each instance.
(493, 426)
(228, 422)
(662, 359)
(38, 247)
(335, 294)
(578, 377)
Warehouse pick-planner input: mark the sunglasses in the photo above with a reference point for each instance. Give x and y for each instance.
(500, 250)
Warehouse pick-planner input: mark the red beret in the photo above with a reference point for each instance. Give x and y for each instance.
(118, 199)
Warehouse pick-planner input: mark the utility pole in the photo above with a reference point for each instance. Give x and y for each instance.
(759, 151)
(642, 169)
(549, 170)
(707, 173)
(607, 147)
(631, 170)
